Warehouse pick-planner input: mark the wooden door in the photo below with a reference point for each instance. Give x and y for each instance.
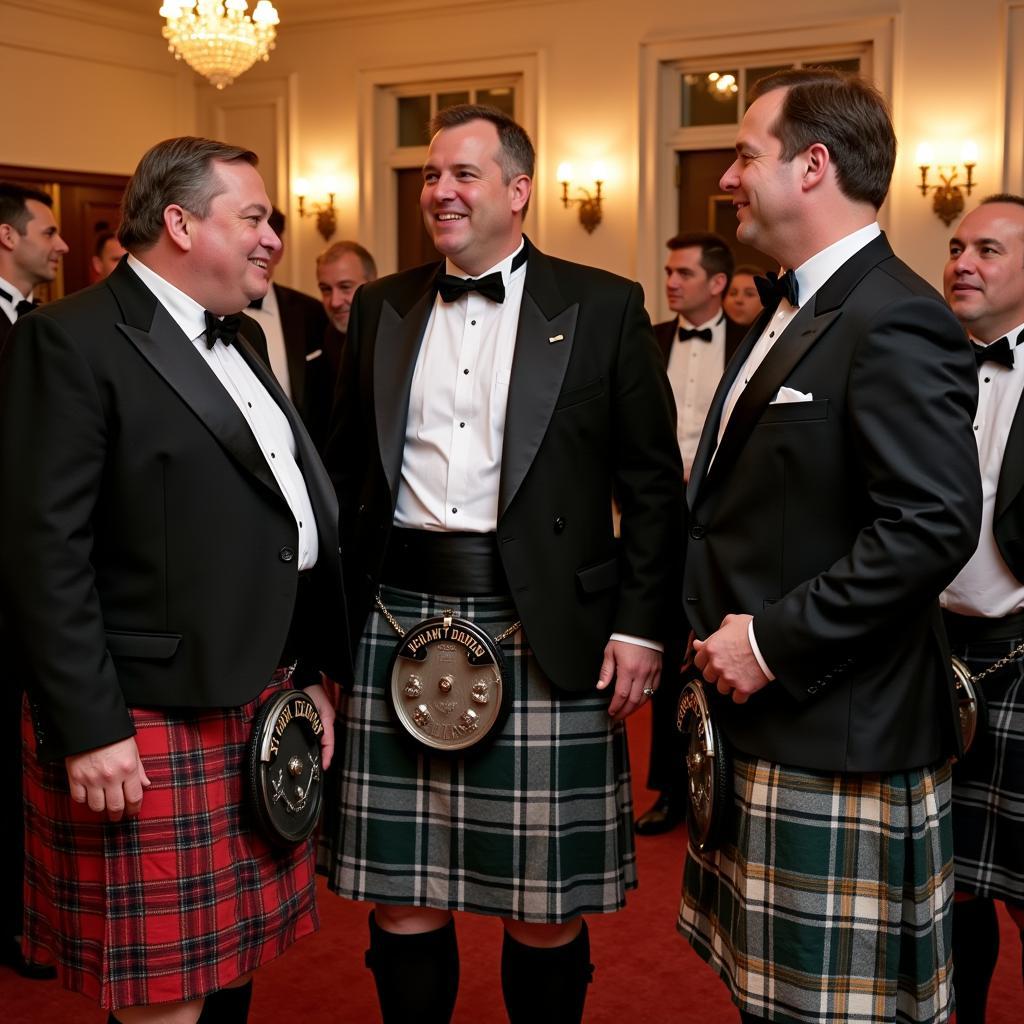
(414, 244)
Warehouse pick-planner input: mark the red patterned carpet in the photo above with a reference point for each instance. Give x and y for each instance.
(645, 972)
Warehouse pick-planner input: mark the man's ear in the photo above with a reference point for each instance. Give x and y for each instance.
(9, 235)
(178, 223)
(817, 161)
(521, 187)
(717, 284)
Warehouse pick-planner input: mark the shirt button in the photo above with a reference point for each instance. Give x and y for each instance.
(473, 323)
(463, 423)
(454, 509)
(465, 371)
(286, 554)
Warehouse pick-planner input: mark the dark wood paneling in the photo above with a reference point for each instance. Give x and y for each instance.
(414, 244)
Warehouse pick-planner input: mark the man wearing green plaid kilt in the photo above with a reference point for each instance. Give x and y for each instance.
(833, 495)
(984, 606)
(488, 410)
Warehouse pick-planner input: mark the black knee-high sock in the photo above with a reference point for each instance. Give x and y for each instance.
(749, 1018)
(227, 1006)
(975, 952)
(417, 976)
(546, 986)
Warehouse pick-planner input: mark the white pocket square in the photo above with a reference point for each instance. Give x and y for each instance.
(791, 395)
(315, 354)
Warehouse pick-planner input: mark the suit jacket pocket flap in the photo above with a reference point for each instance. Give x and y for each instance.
(157, 646)
(575, 396)
(793, 412)
(598, 577)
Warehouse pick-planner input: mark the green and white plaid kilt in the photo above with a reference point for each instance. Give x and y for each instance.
(537, 826)
(831, 897)
(988, 785)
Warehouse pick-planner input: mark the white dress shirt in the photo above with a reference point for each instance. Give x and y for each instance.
(810, 276)
(268, 316)
(694, 370)
(456, 427)
(267, 422)
(9, 307)
(985, 586)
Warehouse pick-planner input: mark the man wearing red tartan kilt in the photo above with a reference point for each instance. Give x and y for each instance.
(169, 544)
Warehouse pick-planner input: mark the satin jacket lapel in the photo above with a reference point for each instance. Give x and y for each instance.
(1011, 476)
(394, 359)
(293, 329)
(151, 329)
(709, 433)
(538, 369)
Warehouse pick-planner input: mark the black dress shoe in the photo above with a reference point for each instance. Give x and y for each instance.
(663, 816)
(34, 972)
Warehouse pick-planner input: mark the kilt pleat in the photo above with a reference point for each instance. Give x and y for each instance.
(988, 785)
(177, 902)
(537, 826)
(830, 898)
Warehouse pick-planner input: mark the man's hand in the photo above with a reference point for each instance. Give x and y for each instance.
(325, 709)
(634, 669)
(109, 779)
(726, 660)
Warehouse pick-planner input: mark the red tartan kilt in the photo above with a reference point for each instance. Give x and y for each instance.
(173, 904)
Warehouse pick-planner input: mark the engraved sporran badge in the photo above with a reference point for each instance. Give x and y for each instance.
(446, 686)
(708, 768)
(970, 704)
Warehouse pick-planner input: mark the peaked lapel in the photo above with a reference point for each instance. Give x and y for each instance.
(1011, 475)
(400, 330)
(538, 369)
(152, 330)
(293, 330)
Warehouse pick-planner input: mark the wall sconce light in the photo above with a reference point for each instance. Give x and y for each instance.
(326, 219)
(948, 203)
(590, 202)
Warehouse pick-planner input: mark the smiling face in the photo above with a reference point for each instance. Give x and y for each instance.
(338, 281)
(764, 188)
(472, 215)
(984, 276)
(233, 246)
(35, 255)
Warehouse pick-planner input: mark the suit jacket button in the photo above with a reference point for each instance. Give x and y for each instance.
(697, 531)
(286, 554)
(812, 689)
(559, 524)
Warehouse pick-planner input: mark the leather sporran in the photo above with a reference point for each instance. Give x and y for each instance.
(708, 768)
(972, 710)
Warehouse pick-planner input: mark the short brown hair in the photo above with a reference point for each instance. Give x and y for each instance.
(516, 154)
(1003, 197)
(13, 204)
(179, 172)
(715, 254)
(842, 112)
(339, 249)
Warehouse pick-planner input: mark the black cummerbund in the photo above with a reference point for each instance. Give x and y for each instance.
(456, 564)
(963, 629)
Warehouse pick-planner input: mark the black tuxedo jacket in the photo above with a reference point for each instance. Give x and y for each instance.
(5, 329)
(589, 413)
(147, 556)
(312, 368)
(1008, 524)
(836, 522)
(665, 333)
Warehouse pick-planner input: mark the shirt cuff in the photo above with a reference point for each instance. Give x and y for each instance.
(757, 652)
(651, 645)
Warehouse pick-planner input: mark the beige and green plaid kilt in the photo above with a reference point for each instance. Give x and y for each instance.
(537, 826)
(831, 897)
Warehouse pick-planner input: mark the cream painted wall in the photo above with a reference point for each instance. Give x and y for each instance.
(93, 97)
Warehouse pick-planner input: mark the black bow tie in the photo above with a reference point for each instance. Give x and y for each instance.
(686, 333)
(256, 303)
(226, 329)
(490, 287)
(25, 306)
(998, 352)
(772, 289)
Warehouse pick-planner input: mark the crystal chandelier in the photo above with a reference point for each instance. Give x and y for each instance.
(217, 38)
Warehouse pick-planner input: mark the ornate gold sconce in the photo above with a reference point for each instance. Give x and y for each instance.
(326, 218)
(948, 201)
(590, 202)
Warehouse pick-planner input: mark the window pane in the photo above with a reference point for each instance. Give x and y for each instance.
(710, 97)
(753, 74)
(851, 65)
(449, 99)
(413, 115)
(504, 98)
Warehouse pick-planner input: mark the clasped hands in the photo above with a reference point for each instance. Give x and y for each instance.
(112, 779)
(726, 659)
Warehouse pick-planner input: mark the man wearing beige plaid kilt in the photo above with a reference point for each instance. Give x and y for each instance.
(834, 494)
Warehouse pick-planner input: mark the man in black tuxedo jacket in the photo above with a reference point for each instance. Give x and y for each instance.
(984, 605)
(165, 528)
(696, 345)
(485, 417)
(30, 253)
(834, 494)
(295, 325)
